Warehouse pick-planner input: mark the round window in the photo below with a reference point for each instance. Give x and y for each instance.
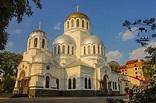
(47, 67)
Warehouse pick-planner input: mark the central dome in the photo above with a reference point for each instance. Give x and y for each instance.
(77, 15)
(91, 39)
(64, 39)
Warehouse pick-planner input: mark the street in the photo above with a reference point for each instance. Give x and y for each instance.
(60, 99)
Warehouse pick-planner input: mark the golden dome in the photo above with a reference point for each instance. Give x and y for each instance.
(77, 15)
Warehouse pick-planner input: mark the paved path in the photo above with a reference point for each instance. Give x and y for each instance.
(59, 100)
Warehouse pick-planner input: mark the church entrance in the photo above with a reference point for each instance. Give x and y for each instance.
(104, 84)
(23, 84)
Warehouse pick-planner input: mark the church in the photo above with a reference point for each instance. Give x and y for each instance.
(76, 65)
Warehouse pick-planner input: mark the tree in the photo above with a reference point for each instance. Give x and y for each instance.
(148, 94)
(10, 9)
(9, 62)
(144, 26)
(115, 67)
(7, 84)
(148, 70)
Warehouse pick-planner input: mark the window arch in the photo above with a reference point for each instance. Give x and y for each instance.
(94, 49)
(98, 49)
(35, 42)
(47, 82)
(84, 50)
(67, 24)
(74, 83)
(68, 49)
(89, 83)
(57, 82)
(63, 49)
(29, 43)
(54, 50)
(69, 83)
(82, 23)
(115, 85)
(72, 23)
(77, 23)
(86, 83)
(58, 49)
(72, 50)
(88, 49)
(87, 24)
(102, 51)
(43, 43)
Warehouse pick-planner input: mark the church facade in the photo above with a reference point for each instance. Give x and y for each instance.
(75, 66)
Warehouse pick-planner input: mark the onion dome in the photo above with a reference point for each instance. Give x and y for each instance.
(41, 58)
(64, 39)
(77, 15)
(91, 39)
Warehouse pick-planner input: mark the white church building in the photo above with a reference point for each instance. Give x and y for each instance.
(76, 65)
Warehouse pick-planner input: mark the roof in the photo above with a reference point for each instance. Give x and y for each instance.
(143, 80)
(132, 61)
(78, 63)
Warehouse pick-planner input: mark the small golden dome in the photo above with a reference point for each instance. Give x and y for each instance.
(77, 15)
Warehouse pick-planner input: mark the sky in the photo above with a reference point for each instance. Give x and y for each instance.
(106, 17)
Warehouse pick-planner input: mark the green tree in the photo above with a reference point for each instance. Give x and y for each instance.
(8, 84)
(115, 67)
(142, 94)
(9, 62)
(143, 28)
(10, 9)
(148, 70)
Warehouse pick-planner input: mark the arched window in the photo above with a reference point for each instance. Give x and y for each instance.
(57, 82)
(115, 85)
(77, 23)
(68, 49)
(35, 42)
(74, 83)
(63, 49)
(67, 24)
(94, 49)
(58, 49)
(84, 50)
(89, 83)
(43, 43)
(98, 49)
(82, 23)
(69, 83)
(102, 51)
(86, 83)
(88, 49)
(87, 24)
(29, 43)
(54, 50)
(72, 23)
(47, 82)
(72, 50)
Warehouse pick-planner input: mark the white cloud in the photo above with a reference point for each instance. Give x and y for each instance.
(17, 31)
(10, 44)
(57, 26)
(114, 56)
(140, 52)
(127, 35)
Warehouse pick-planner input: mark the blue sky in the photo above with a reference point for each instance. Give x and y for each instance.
(106, 17)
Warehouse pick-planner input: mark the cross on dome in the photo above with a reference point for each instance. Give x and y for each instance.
(77, 8)
(39, 26)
